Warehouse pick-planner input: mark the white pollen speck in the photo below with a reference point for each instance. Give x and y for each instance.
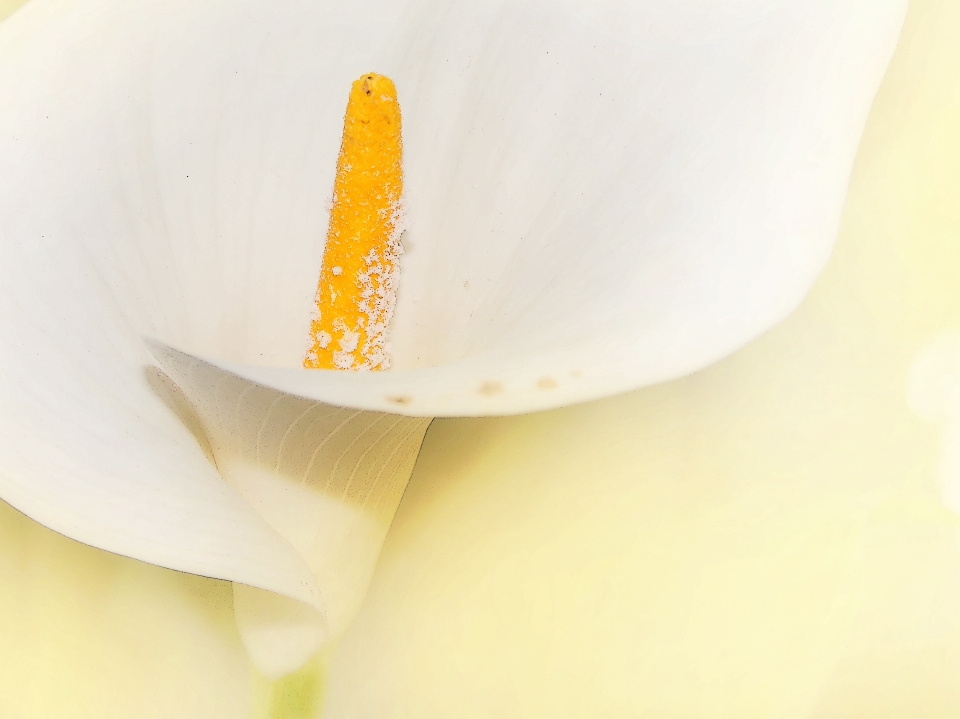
(337, 270)
(349, 341)
(343, 360)
(324, 339)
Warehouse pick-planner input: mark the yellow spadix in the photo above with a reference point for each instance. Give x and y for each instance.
(357, 290)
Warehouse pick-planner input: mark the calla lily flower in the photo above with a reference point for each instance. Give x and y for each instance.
(601, 197)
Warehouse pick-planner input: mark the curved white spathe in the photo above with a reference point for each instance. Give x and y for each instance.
(600, 196)
(600, 199)
(326, 479)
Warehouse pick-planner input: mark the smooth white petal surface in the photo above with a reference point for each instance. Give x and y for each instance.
(600, 196)
(603, 197)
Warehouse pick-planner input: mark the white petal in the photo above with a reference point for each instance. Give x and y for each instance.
(615, 198)
(280, 634)
(601, 197)
(327, 479)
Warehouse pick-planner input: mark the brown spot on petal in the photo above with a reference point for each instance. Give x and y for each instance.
(402, 399)
(490, 388)
(547, 383)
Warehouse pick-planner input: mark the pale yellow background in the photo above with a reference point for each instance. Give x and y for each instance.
(7, 7)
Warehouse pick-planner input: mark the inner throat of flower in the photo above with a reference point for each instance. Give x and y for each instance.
(357, 291)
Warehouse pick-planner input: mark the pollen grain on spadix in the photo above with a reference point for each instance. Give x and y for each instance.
(357, 290)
